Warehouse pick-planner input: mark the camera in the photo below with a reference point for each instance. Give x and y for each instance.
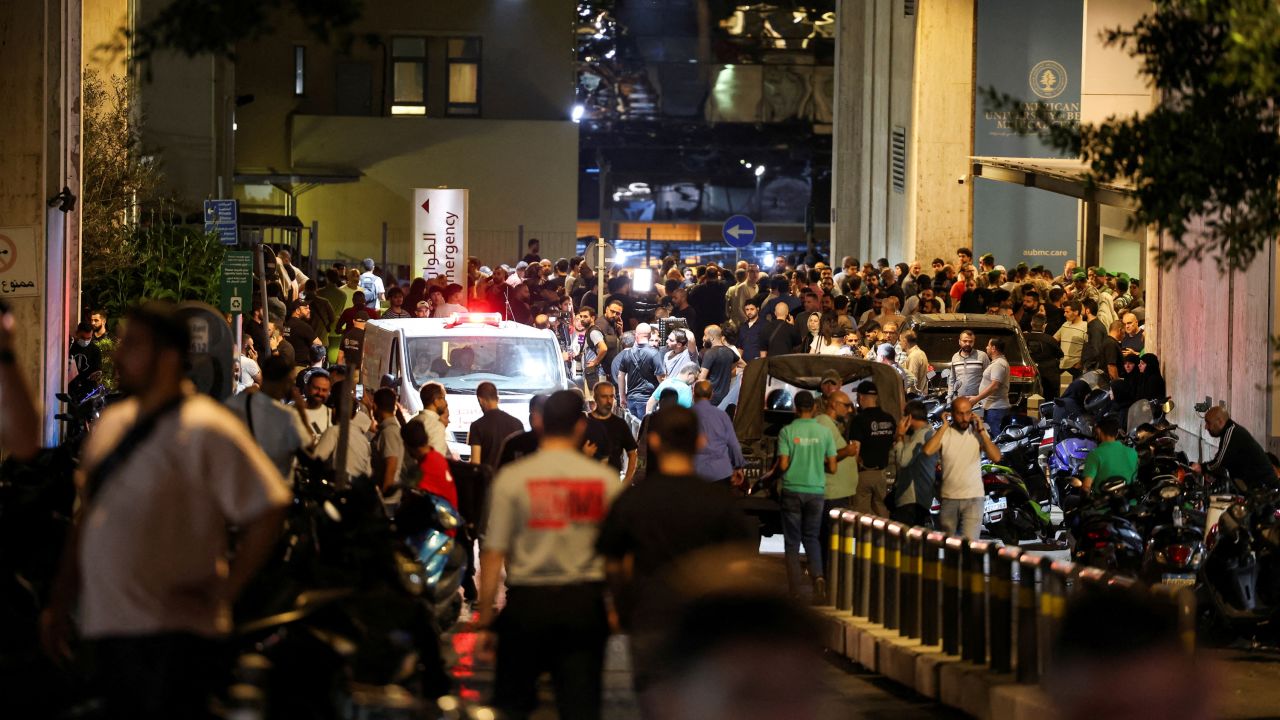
(1203, 407)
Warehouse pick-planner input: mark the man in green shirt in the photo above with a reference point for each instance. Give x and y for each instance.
(805, 450)
(1110, 459)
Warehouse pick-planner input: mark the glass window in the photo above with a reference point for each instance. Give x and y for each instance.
(408, 76)
(464, 76)
(299, 69)
(515, 365)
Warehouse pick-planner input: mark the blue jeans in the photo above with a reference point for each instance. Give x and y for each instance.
(994, 420)
(801, 521)
(636, 407)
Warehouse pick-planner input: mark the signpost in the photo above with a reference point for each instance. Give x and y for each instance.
(237, 281)
(19, 270)
(440, 233)
(222, 217)
(739, 231)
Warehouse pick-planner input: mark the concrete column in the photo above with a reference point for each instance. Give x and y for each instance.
(940, 195)
(875, 42)
(40, 151)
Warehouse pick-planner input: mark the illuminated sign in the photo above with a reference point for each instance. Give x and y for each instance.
(440, 227)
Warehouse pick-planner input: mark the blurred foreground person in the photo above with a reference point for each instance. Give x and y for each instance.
(545, 512)
(729, 647)
(164, 473)
(19, 419)
(1117, 656)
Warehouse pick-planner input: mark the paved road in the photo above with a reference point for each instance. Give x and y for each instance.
(850, 692)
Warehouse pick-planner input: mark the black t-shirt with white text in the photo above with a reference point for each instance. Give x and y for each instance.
(300, 335)
(352, 347)
(874, 429)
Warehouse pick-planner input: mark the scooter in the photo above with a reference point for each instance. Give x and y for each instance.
(1240, 588)
(1010, 514)
(1102, 534)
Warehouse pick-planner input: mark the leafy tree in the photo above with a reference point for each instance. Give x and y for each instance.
(1211, 150)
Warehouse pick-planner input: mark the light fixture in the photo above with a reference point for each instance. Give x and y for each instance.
(768, 259)
(759, 169)
(578, 112)
(642, 280)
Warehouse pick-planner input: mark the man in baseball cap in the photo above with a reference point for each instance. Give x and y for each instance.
(873, 430)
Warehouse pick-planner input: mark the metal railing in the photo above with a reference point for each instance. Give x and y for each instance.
(976, 600)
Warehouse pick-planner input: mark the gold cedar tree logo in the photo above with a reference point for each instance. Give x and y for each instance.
(1048, 79)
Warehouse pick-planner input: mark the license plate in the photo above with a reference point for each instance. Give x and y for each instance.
(1179, 579)
(1000, 504)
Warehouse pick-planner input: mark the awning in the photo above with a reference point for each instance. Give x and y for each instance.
(1061, 176)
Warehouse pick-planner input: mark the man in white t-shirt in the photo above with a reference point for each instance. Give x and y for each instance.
(993, 393)
(1071, 337)
(162, 475)
(375, 293)
(960, 439)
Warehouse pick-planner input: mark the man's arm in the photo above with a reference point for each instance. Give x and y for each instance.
(934, 444)
(831, 464)
(491, 564)
(391, 473)
(632, 459)
(993, 452)
(784, 462)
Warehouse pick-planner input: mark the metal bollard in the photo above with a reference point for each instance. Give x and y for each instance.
(1028, 632)
(931, 587)
(1053, 603)
(1001, 599)
(832, 566)
(951, 555)
(973, 601)
(862, 583)
(844, 590)
(875, 611)
(892, 574)
(913, 554)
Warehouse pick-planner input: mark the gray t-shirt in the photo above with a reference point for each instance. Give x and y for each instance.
(546, 511)
(386, 444)
(967, 372)
(996, 372)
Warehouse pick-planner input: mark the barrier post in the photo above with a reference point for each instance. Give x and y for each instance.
(1028, 632)
(951, 579)
(1001, 598)
(1053, 603)
(893, 575)
(832, 565)
(875, 611)
(862, 585)
(909, 621)
(844, 591)
(931, 587)
(973, 601)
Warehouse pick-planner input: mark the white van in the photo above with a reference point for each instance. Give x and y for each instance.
(460, 353)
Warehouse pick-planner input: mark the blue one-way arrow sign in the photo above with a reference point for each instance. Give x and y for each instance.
(739, 231)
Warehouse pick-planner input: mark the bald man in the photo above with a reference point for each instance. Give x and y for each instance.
(960, 439)
(1238, 453)
(718, 363)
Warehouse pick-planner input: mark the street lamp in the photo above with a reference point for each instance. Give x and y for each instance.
(760, 170)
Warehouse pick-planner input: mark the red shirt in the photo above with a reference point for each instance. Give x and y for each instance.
(348, 316)
(436, 478)
(957, 290)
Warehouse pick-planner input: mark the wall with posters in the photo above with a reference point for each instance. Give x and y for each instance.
(1030, 49)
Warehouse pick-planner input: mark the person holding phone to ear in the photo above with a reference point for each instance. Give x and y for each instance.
(962, 440)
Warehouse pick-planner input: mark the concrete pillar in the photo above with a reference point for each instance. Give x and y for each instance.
(40, 152)
(873, 67)
(940, 196)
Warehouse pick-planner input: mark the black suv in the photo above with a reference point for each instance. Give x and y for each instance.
(939, 338)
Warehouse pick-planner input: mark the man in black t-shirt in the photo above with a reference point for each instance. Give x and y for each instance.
(351, 348)
(873, 430)
(780, 336)
(638, 370)
(300, 334)
(524, 443)
(487, 433)
(86, 356)
(718, 363)
(610, 434)
(1111, 351)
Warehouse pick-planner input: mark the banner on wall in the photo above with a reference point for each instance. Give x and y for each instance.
(1031, 50)
(440, 233)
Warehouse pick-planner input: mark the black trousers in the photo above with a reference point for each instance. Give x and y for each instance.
(560, 629)
(160, 677)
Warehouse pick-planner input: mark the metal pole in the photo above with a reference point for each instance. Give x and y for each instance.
(973, 607)
(1028, 644)
(833, 566)
(648, 245)
(951, 594)
(313, 246)
(262, 285)
(844, 592)
(599, 276)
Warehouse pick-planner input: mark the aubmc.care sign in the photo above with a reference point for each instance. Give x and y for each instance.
(440, 233)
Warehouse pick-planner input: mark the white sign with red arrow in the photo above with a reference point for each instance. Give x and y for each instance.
(440, 233)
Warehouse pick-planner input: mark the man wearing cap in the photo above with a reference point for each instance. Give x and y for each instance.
(872, 430)
(806, 452)
(351, 347)
(887, 354)
(299, 333)
(374, 291)
(831, 383)
(1122, 299)
(1106, 312)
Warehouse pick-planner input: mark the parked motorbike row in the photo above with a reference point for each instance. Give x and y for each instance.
(347, 619)
(1171, 525)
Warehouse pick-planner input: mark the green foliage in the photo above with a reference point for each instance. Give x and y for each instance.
(1210, 153)
(128, 254)
(197, 27)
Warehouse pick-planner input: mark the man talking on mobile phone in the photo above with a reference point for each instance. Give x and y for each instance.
(960, 439)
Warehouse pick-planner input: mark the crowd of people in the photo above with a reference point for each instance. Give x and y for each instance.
(570, 528)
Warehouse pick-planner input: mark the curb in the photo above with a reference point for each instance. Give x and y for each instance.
(965, 686)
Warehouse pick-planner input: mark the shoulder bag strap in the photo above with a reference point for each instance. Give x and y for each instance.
(123, 450)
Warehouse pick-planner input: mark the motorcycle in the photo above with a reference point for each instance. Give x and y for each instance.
(1010, 514)
(1103, 535)
(1240, 576)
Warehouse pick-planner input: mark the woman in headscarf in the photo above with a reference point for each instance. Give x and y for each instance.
(1150, 382)
(813, 340)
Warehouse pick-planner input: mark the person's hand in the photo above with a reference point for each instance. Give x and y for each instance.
(55, 634)
(946, 418)
(904, 425)
(486, 647)
(739, 478)
(296, 396)
(589, 448)
(1076, 482)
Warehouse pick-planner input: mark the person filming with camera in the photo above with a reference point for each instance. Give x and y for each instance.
(962, 439)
